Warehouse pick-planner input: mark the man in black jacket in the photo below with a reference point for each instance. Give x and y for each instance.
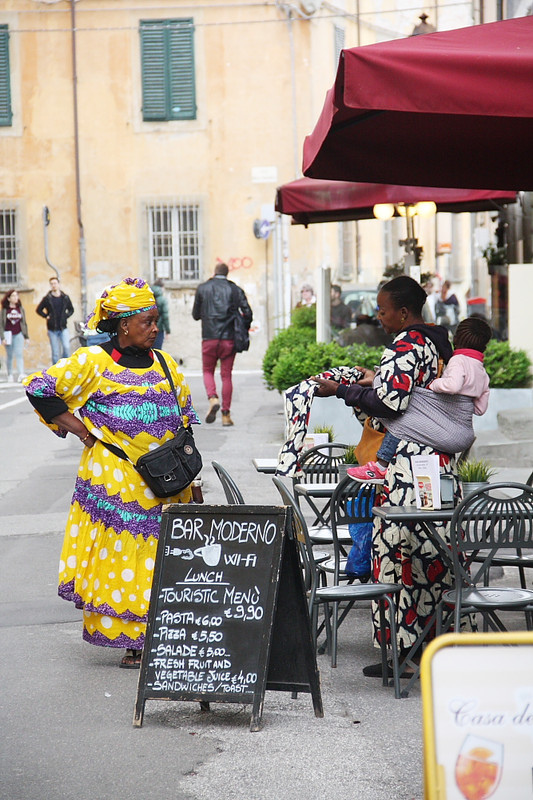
(56, 308)
(216, 303)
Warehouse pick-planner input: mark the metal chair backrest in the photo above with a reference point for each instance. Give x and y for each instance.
(496, 518)
(351, 502)
(305, 546)
(320, 464)
(231, 490)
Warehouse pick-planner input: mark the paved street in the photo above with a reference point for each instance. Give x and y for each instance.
(66, 708)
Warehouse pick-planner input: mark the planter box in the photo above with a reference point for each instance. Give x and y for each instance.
(502, 400)
(333, 411)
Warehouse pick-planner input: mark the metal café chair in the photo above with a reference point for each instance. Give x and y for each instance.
(231, 490)
(352, 502)
(519, 559)
(350, 593)
(320, 464)
(489, 525)
(310, 559)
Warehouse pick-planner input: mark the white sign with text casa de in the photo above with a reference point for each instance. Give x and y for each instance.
(483, 722)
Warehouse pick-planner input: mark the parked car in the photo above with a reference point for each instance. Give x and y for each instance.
(361, 299)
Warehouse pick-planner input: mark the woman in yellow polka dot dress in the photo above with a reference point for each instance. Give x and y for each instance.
(115, 392)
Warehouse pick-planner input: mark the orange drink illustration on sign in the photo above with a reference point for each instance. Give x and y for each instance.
(478, 768)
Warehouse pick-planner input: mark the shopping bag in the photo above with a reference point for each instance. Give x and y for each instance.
(369, 443)
(359, 561)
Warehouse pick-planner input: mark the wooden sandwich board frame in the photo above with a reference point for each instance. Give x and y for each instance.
(276, 648)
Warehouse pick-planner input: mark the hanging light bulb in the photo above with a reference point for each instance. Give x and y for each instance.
(383, 211)
(406, 209)
(426, 209)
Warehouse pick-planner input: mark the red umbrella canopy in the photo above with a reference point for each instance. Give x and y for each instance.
(444, 109)
(308, 200)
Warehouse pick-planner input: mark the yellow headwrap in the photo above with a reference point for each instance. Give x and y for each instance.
(131, 296)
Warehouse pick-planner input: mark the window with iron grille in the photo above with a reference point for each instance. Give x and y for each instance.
(8, 247)
(174, 237)
(167, 69)
(6, 115)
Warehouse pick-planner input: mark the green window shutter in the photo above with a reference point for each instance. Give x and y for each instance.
(153, 69)
(6, 115)
(167, 65)
(181, 61)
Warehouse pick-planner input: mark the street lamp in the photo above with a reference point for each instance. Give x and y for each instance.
(424, 209)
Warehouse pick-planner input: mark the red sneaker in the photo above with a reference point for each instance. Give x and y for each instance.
(368, 473)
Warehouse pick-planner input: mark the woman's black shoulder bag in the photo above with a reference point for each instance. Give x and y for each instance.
(171, 467)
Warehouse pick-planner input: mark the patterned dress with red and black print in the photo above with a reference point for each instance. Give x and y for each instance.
(402, 553)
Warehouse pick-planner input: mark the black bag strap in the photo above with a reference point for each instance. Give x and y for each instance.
(166, 370)
(235, 299)
(118, 450)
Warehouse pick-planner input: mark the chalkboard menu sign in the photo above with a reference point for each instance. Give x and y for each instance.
(228, 616)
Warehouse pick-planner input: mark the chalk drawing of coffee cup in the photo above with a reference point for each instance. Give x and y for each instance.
(210, 553)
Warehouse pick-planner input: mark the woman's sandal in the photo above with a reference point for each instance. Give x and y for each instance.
(376, 670)
(132, 659)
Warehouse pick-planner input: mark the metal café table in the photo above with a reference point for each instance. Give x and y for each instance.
(267, 466)
(427, 520)
(318, 491)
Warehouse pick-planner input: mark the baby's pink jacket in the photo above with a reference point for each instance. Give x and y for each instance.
(465, 374)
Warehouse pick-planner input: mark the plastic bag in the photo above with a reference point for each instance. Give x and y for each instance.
(359, 561)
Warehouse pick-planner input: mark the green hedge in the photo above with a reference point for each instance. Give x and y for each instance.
(285, 341)
(301, 361)
(507, 368)
(294, 355)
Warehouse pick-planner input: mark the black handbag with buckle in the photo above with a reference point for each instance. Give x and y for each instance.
(170, 468)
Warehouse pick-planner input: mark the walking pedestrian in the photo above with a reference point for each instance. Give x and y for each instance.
(163, 323)
(13, 332)
(216, 303)
(56, 308)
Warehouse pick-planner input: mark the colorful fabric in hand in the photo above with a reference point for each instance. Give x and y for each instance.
(297, 402)
(130, 296)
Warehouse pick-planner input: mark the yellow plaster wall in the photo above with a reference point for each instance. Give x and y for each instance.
(245, 120)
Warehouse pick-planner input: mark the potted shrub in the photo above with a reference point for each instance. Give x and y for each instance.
(350, 460)
(325, 429)
(474, 474)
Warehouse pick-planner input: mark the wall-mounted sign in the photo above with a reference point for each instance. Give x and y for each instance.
(262, 228)
(264, 174)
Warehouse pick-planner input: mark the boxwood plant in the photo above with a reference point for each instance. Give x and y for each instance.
(293, 355)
